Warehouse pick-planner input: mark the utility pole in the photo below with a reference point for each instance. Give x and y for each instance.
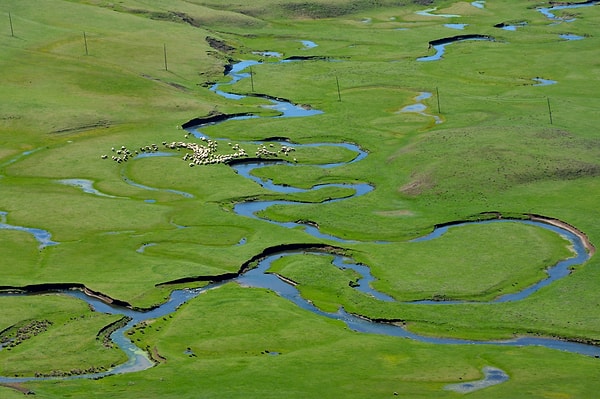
(549, 109)
(85, 43)
(12, 33)
(252, 79)
(338, 88)
(437, 95)
(165, 53)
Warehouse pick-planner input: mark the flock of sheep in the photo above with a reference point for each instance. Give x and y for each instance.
(123, 154)
(201, 154)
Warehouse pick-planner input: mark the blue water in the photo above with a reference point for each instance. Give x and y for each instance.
(274, 54)
(544, 82)
(86, 185)
(420, 108)
(308, 44)
(558, 271)
(43, 237)
(570, 36)
(456, 26)
(492, 376)
(549, 11)
(440, 49)
(261, 277)
(514, 27)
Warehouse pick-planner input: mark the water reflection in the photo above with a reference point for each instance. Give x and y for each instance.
(456, 26)
(308, 44)
(87, 186)
(43, 237)
(544, 82)
(491, 376)
(261, 277)
(570, 36)
(420, 108)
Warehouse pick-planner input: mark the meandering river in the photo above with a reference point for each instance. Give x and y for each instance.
(260, 277)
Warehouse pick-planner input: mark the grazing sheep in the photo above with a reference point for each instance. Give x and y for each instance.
(204, 154)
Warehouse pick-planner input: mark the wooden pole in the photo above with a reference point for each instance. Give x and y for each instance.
(12, 32)
(549, 109)
(338, 88)
(85, 42)
(165, 53)
(437, 95)
(252, 79)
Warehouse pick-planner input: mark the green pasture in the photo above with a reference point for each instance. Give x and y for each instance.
(68, 343)
(408, 272)
(249, 343)
(82, 77)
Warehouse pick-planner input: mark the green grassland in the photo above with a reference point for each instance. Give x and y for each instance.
(80, 77)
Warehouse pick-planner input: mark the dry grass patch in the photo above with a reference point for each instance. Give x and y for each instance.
(399, 212)
(420, 182)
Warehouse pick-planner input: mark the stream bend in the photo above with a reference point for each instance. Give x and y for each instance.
(260, 277)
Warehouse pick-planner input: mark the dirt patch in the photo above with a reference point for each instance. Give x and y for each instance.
(157, 357)
(564, 225)
(219, 45)
(399, 212)
(95, 125)
(419, 184)
(460, 8)
(172, 84)
(19, 387)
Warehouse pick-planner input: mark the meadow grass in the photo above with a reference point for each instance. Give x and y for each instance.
(494, 150)
(272, 348)
(69, 324)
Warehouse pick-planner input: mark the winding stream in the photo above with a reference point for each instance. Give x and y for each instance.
(43, 237)
(260, 277)
(440, 45)
(548, 12)
(420, 108)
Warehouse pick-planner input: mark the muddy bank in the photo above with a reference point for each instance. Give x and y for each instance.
(528, 216)
(214, 118)
(18, 387)
(247, 265)
(196, 279)
(219, 45)
(590, 248)
(307, 58)
(238, 161)
(106, 331)
(287, 248)
(453, 39)
(53, 287)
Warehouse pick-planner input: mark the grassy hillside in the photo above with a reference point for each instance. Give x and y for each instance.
(81, 78)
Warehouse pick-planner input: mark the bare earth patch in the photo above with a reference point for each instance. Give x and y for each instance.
(419, 184)
(460, 8)
(399, 212)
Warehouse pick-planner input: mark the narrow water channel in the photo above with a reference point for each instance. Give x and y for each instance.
(260, 277)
